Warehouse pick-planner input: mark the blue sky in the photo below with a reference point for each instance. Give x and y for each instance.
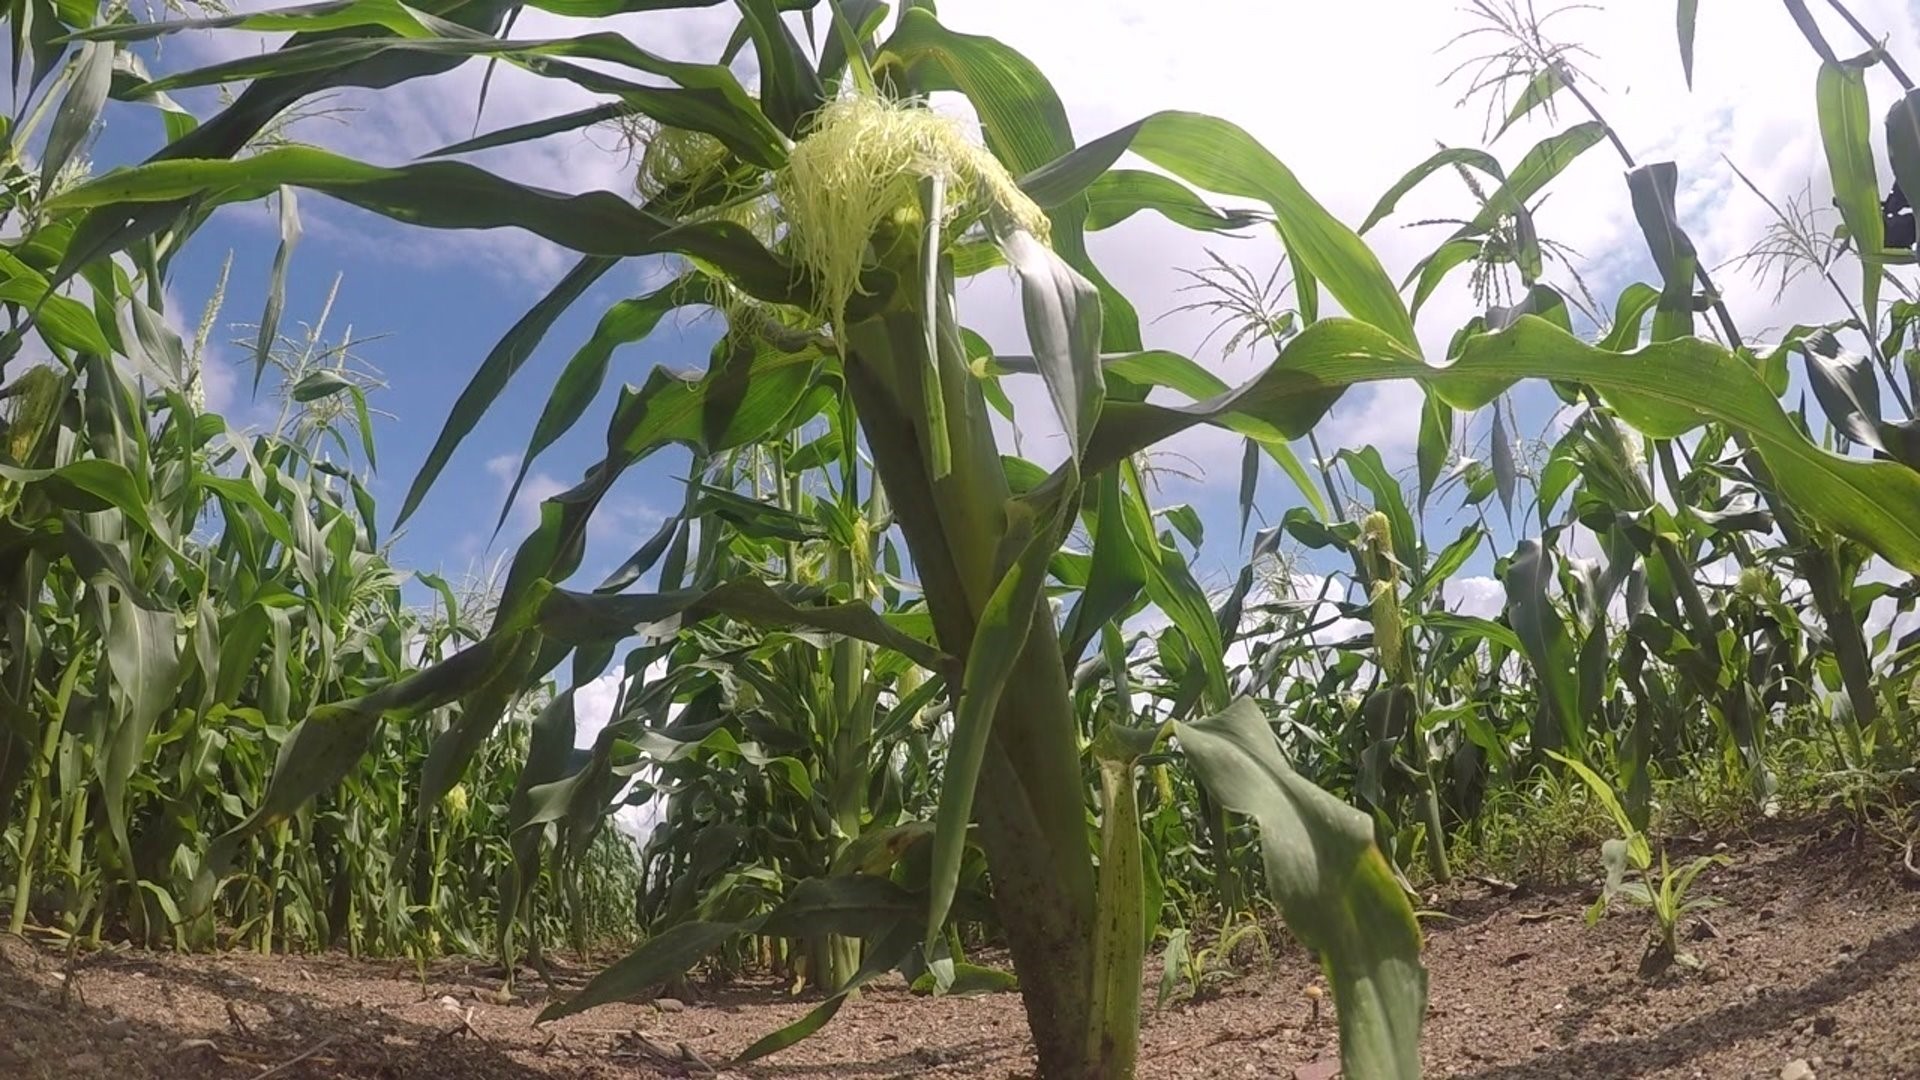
(1349, 95)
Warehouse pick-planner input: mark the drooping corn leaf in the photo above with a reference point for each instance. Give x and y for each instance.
(1220, 156)
(1845, 132)
(1664, 390)
(1333, 886)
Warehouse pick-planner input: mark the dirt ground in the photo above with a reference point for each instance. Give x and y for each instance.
(1814, 962)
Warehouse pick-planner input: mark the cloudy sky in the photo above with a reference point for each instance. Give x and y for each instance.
(1349, 95)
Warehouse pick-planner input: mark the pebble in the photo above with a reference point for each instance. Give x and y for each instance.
(1797, 1069)
(670, 1005)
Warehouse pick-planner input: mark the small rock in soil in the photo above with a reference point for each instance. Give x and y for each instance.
(1797, 1069)
(670, 1005)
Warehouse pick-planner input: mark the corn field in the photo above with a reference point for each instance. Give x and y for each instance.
(899, 694)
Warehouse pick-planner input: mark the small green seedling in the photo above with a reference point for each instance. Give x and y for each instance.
(1668, 900)
(1192, 974)
(1664, 895)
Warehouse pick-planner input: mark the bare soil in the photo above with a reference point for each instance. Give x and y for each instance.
(1814, 959)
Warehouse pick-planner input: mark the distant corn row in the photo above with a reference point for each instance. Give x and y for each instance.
(178, 596)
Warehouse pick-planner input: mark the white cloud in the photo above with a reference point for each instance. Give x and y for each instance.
(1480, 596)
(535, 489)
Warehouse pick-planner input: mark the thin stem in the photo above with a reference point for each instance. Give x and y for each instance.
(1878, 45)
(1587, 103)
(1334, 503)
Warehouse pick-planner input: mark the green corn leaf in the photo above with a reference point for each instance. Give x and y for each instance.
(1538, 92)
(79, 110)
(1432, 270)
(1173, 960)
(790, 89)
(1547, 159)
(1454, 156)
(329, 740)
(1903, 143)
(885, 952)
(1033, 534)
(1845, 127)
(1370, 470)
(1652, 189)
(1219, 156)
(1841, 94)
(1118, 194)
(1063, 328)
(539, 129)
(66, 323)
(1444, 565)
(1629, 311)
(1548, 646)
(579, 383)
(706, 97)
(1849, 393)
(1333, 886)
(1686, 13)
(1171, 586)
(1249, 483)
(1664, 390)
(1434, 446)
(1180, 373)
(143, 656)
(116, 228)
(1500, 459)
(549, 750)
(581, 618)
(672, 952)
(1472, 626)
(854, 903)
(480, 711)
(90, 485)
(1634, 847)
(314, 18)
(277, 284)
(496, 370)
(447, 195)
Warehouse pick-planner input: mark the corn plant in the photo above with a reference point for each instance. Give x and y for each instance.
(1190, 974)
(1668, 897)
(827, 219)
(1666, 893)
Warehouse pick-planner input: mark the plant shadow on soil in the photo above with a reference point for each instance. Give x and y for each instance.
(1812, 957)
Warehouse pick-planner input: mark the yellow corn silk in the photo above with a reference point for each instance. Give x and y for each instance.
(862, 164)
